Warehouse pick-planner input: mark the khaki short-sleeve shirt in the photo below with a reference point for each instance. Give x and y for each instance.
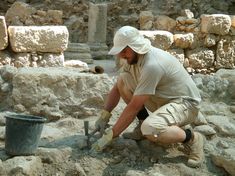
(162, 76)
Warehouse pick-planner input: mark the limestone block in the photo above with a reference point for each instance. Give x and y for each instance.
(183, 40)
(22, 60)
(2, 169)
(98, 51)
(146, 20)
(223, 144)
(18, 13)
(130, 19)
(187, 13)
(187, 24)
(192, 21)
(205, 129)
(51, 39)
(41, 13)
(8, 72)
(163, 22)
(215, 89)
(76, 63)
(216, 24)
(23, 165)
(200, 120)
(3, 33)
(181, 20)
(78, 169)
(77, 56)
(178, 53)
(98, 47)
(58, 91)
(222, 124)
(159, 39)
(5, 58)
(226, 160)
(97, 23)
(99, 55)
(200, 58)
(55, 16)
(6, 88)
(79, 51)
(228, 74)
(51, 60)
(225, 53)
(54, 155)
(2, 134)
(51, 133)
(210, 40)
(78, 47)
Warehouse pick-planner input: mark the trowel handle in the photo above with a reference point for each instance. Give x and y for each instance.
(86, 127)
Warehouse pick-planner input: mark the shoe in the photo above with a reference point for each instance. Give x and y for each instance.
(195, 148)
(136, 134)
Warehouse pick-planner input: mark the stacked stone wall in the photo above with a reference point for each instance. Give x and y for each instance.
(74, 13)
(32, 46)
(202, 45)
(200, 33)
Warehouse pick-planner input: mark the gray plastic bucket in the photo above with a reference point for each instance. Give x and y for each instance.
(23, 133)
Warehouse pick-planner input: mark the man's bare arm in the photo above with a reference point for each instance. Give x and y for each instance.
(112, 99)
(129, 113)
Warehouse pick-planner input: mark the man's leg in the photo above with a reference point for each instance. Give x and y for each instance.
(194, 142)
(172, 134)
(163, 126)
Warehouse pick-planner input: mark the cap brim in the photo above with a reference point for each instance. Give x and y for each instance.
(115, 50)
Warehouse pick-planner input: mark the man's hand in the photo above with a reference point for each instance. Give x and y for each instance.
(103, 120)
(103, 142)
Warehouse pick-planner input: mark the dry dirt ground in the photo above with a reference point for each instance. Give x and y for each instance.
(123, 157)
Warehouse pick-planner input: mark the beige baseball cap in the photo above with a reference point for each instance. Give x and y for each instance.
(129, 36)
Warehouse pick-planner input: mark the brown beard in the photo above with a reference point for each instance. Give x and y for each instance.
(134, 60)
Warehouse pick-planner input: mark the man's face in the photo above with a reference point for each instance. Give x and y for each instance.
(129, 55)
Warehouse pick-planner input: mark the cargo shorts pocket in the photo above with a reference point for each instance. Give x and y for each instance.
(181, 113)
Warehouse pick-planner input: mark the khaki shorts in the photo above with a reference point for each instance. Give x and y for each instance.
(179, 112)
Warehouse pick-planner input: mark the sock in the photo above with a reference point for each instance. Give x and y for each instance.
(142, 114)
(188, 133)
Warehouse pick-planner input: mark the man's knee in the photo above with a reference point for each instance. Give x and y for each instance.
(148, 131)
(152, 138)
(147, 128)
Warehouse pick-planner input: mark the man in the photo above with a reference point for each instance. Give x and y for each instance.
(152, 79)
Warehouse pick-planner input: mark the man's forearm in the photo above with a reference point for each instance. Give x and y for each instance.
(112, 99)
(127, 116)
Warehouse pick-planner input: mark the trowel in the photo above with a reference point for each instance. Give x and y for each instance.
(86, 128)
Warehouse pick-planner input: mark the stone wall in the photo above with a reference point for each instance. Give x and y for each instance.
(202, 45)
(74, 13)
(200, 33)
(52, 92)
(32, 46)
